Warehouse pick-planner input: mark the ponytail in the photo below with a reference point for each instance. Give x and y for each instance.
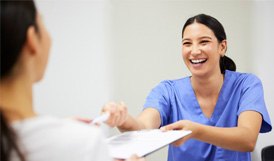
(227, 63)
(8, 140)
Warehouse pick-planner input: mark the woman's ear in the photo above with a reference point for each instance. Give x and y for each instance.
(223, 47)
(32, 40)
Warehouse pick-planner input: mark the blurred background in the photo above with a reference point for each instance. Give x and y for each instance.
(118, 50)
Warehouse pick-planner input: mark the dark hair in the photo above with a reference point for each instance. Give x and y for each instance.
(226, 63)
(16, 18)
(8, 140)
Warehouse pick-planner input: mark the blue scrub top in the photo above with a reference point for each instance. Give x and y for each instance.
(175, 100)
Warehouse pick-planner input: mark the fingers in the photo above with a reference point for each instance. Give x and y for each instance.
(180, 141)
(174, 126)
(84, 120)
(132, 158)
(81, 119)
(135, 158)
(111, 109)
(122, 113)
(180, 125)
(118, 113)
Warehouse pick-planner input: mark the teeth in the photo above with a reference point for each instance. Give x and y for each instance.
(196, 61)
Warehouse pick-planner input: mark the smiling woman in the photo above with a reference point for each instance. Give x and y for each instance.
(205, 34)
(224, 109)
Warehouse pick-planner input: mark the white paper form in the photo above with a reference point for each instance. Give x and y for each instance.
(142, 142)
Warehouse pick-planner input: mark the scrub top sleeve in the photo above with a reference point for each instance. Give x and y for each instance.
(252, 98)
(158, 99)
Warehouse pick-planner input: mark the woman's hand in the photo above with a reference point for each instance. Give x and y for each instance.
(183, 125)
(118, 113)
(132, 158)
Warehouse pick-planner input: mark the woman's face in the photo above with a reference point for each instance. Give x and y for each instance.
(201, 50)
(44, 47)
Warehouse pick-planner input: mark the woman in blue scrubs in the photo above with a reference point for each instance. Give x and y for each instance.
(224, 109)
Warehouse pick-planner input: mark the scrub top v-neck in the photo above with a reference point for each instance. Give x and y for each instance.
(196, 106)
(175, 100)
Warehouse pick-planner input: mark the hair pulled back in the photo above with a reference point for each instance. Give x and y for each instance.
(16, 18)
(226, 63)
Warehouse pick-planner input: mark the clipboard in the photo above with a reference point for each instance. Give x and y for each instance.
(142, 143)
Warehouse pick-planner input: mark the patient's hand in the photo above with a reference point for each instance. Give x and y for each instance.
(84, 120)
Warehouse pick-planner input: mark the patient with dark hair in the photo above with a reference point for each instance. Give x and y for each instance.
(26, 135)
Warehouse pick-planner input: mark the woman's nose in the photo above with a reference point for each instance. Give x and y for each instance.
(195, 50)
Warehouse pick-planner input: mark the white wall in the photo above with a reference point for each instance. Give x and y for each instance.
(262, 61)
(119, 49)
(76, 81)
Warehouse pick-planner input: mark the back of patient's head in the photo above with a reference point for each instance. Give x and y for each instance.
(16, 18)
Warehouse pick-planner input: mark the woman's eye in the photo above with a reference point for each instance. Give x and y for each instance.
(186, 43)
(204, 42)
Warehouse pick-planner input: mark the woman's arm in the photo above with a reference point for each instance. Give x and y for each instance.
(240, 138)
(148, 118)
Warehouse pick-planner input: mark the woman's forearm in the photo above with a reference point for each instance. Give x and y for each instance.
(240, 138)
(236, 138)
(148, 119)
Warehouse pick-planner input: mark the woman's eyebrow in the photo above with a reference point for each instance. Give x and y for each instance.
(186, 39)
(202, 37)
(205, 37)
